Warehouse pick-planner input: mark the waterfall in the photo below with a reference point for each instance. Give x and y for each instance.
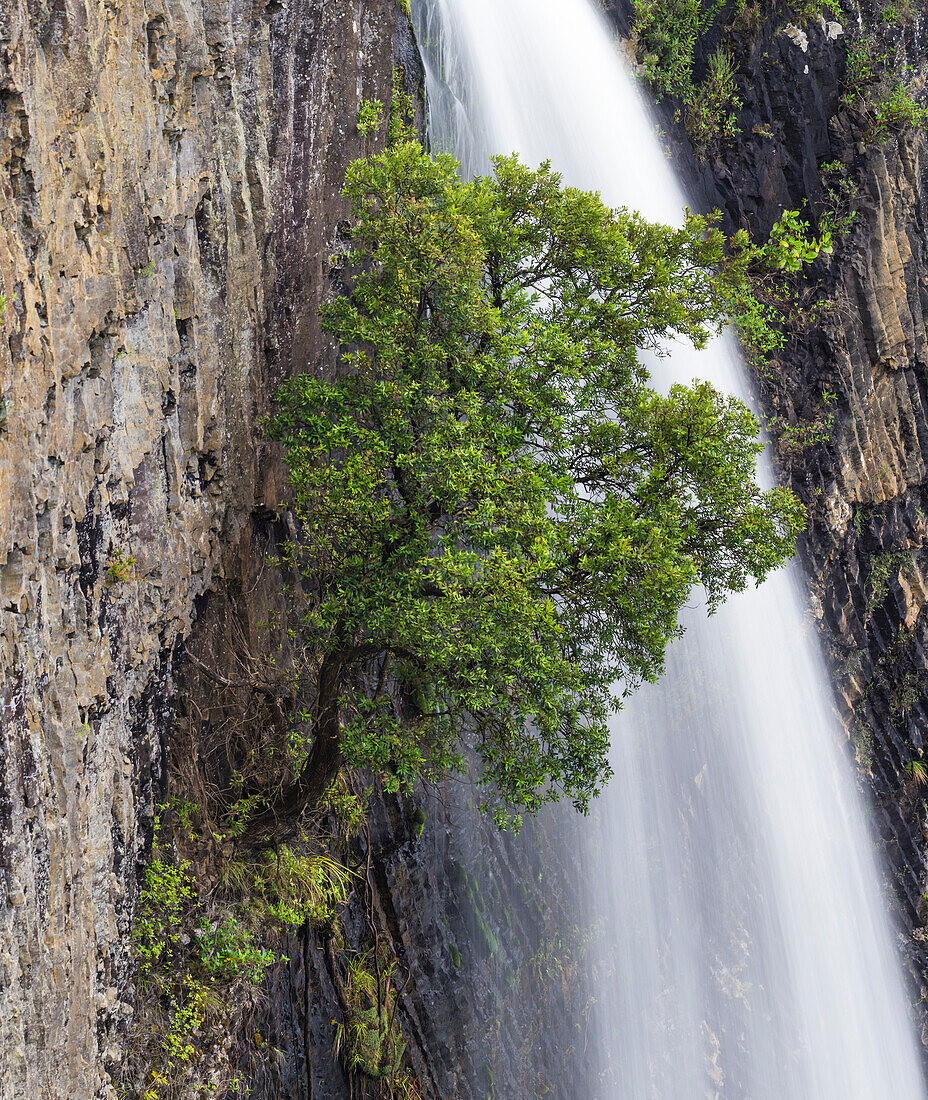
(747, 951)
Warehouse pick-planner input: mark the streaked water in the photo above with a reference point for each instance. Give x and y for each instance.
(749, 952)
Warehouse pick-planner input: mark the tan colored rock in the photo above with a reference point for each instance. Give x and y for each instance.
(153, 246)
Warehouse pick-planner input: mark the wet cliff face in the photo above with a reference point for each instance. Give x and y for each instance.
(169, 178)
(861, 371)
(493, 966)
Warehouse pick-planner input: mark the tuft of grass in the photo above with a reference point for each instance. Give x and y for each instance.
(916, 772)
(293, 889)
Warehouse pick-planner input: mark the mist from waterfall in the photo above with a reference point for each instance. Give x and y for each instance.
(746, 952)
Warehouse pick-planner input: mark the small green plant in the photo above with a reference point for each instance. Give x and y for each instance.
(883, 568)
(807, 11)
(402, 123)
(148, 270)
(902, 676)
(897, 13)
(121, 567)
(347, 810)
(666, 33)
(862, 737)
(194, 961)
(711, 109)
(370, 116)
(899, 109)
(792, 246)
(797, 437)
(185, 813)
(766, 302)
(864, 67)
(228, 950)
(665, 38)
(839, 213)
(167, 891)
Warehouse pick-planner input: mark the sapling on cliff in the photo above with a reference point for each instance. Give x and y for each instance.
(500, 519)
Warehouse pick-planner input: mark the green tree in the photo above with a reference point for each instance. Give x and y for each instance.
(499, 517)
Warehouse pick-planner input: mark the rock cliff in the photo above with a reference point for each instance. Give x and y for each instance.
(169, 177)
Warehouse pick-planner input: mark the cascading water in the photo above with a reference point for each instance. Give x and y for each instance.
(749, 953)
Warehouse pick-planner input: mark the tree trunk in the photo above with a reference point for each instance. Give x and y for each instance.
(281, 817)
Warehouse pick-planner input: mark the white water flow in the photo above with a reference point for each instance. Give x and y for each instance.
(750, 954)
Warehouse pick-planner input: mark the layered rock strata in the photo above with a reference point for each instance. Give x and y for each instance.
(169, 177)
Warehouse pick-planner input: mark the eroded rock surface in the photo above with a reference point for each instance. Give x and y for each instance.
(169, 176)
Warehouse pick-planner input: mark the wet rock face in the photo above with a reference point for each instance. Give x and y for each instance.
(169, 185)
(865, 486)
(492, 964)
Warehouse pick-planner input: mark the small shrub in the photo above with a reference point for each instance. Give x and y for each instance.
(194, 965)
(228, 950)
(711, 110)
(840, 195)
(791, 245)
(665, 35)
(167, 892)
(765, 302)
(402, 123)
(899, 110)
(864, 67)
(862, 737)
(370, 116)
(796, 437)
(808, 11)
(121, 567)
(883, 568)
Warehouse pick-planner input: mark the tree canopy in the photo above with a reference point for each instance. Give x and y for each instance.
(500, 518)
